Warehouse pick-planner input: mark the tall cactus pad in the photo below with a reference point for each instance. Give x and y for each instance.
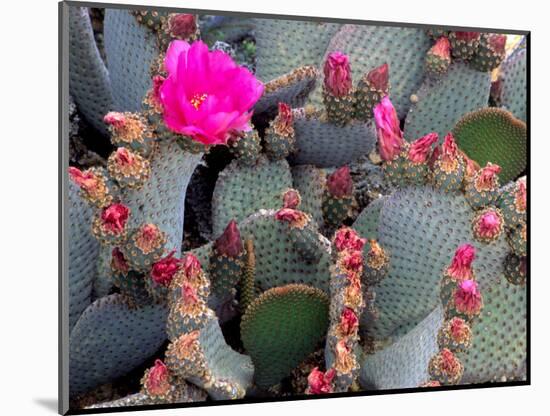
(283, 45)
(368, 47)
(494, 135)
(440, 103)
(89, 81)
(310, 183)
(83, 254)
(242, 190)
(499, 348)
(161, 200)
(130, 48)
(421, 228)
(111, 339)
(281, 328)
(324, 144)
(403, 364)
(514, 83)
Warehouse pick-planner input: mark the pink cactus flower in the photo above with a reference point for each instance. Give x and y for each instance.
(378, 78)
(114, 218)
(157, 382)
(163, 271)
(488, 225)
(487, 177)
(347, 239)
(420, 149)
(339, 183)
(319, 382)
(118, 261)
(461, 265)
(441, 48)
(467, 298)
(390, 137)
(206, 95)
(291, 199)
(230, 243)
(191, 266)
(348, 322)
(337, 72)
(182, 25)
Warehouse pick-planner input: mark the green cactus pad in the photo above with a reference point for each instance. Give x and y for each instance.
(89, 82)
(161, 199)
(499, 342)
(281, 328)
(247, 149)
(83, 254)
(494, 135)
(368, 47)
(110, 339)
(421, 228)
(403, 364)
(242, 190)
(513, 72)
(291, 88)
(282, 45)
(310, 183)
(130, 48)
(324, 144)
(366, 223)
(442, 102)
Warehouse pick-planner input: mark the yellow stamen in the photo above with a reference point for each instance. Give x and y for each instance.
(197, 100)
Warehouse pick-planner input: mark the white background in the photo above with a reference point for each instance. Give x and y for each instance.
(28, 220)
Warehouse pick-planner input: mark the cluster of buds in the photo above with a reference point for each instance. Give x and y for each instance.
(343, 103)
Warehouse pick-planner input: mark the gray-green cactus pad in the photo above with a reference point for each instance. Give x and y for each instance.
(130, 49)
(366, 223)
(421, 228)
(310, 183)
(110, 340)
(442, 102)
(89, 81)
(83, 253)
(368, 47)
(514, 84)
(324, 144)
(242, 190)
(161, 200)
(403, 364)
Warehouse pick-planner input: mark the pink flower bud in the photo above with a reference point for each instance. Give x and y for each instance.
(114, 218)
(157, 381)
(118, 261)
(163, 271)
(189, 294)
(353, 261)
(86, 180)
(319, 382)
(191, 267)
(378, 78)
(497, 43)
(348, 322)
(390, 137)
(182, 25)
(449, 364)
(149, 238)
(284, 122)
(441, 48)
(337, 74)
(291, 199)
(292, 216)
(487, 177)
(461, 265)
(339, 183)
(124, 158)
(230, 243)
(420, 149)
(459, 330)
(467, 298)
(449, 149)
(115, 119)
(347, 239)
(488, 225)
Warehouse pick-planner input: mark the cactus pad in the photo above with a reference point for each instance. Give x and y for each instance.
(494, 135)
(281, 328)
(514, 84)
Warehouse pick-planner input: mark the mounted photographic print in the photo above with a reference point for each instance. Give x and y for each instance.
(266, 208)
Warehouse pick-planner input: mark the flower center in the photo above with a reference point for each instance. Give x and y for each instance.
(198, 99)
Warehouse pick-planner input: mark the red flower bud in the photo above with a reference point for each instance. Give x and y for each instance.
(420, 149)
(337, 72)
(163, 271)
(230, 243)
(497, 43)
(319, 382)
(488, 225)
(487, 177)
(339, 183)
(461, 265)
(441, 48)
(347, 239)
(115, 119)
(182, 25)
(284, 122)
(378, 78)
(390, 137)
(157, 380)
(467, 298)
(114, 218)
(348, 322)
(191, 266)
(291, 199)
